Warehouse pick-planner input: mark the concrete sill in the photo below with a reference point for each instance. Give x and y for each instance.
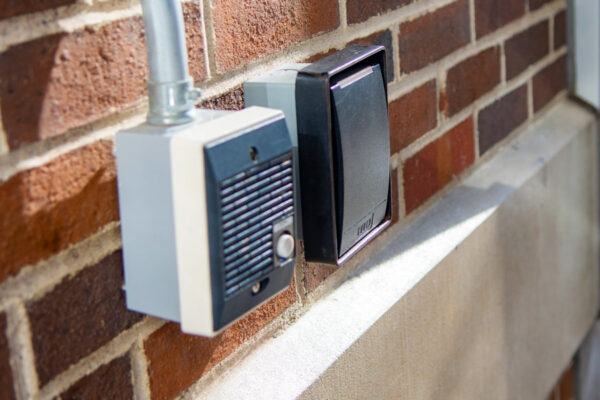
(285, 367)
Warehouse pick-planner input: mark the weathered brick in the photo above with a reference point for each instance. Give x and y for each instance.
(500, 118)
(471, 79)
(382, 39)
(428, 171)
(48, 208)
(526, 48)
(412, 115)
(493, 14)
(81, 314)
(535, 4)
(79, 77)
(248, 29)
(560, 29)
(192, 17)
(110, 381)
(6, 381)
(232, 100)
(433, 36)
(177, 360)
(13, 8)
(361, 10)
(549, 82)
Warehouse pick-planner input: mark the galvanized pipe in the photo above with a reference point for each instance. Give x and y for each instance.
(170, 87)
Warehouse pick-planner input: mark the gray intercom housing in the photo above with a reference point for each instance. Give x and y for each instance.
(341, 122)
(207, 216)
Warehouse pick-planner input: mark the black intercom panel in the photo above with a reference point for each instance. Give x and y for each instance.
(344, 152)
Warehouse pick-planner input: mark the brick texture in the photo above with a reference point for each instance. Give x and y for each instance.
(434, 166)
(470, 79)
(6, 382)
(81, 314)
(382, 39)
(361, 10)
(549, 82)
(12, 8)
(526, 48)
(535, 4)
(232, 100)
(110, 381)
(560, 29)
(248, 29)
(177, 360)
(79, 77)
(412, 115)
(433, 36)
(48, 208)
(493, 14)
(499, 119)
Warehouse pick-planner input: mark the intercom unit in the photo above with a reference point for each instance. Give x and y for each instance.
(207, 198)
(207, 216)
(338, 109)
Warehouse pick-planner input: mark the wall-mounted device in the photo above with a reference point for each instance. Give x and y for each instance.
(338, 108)
(206, 197)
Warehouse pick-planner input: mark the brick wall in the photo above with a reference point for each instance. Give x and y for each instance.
(465, 76)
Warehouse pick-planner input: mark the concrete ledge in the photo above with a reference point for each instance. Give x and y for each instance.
(487, 295)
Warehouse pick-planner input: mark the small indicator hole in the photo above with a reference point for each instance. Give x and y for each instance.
(253, 154)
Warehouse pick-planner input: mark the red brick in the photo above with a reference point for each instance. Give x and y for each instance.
(6, 381)
(493, 14)
(361, 10)
(433, 36)
(177, 360)
(248, 29)
(81, 314)
(499, 119)
(412, 115)
(434, 166)
(471, 79)
(382, 39)
(232, 100)
(560, 29)
(48, 208)
(79, 77)
(110, 381)
(549, 82)
(13, 8)
(535, 4)
(192, 17)
(526, 48)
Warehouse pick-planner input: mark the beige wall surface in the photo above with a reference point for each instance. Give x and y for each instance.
(503, 314)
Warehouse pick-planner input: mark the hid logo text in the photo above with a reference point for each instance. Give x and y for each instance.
(365, 226)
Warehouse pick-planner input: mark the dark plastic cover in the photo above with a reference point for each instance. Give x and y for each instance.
(343, 151)
(360, 121)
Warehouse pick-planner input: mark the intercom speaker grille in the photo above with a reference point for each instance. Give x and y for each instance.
(251, 202)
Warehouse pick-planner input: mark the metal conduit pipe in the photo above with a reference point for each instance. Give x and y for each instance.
(170, 87)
